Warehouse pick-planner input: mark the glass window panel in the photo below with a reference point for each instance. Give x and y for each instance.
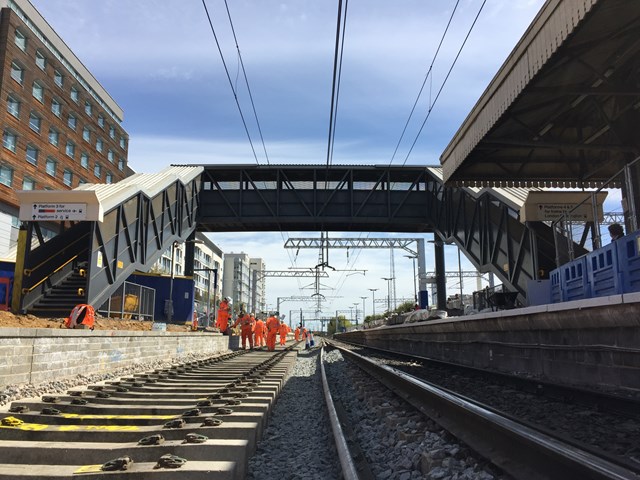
(41, 60)
(17, 72)
(112, 132)
(101, 121)
(97, 170)
(67, 177)
(53, 137)
(74, 94)
(99, 145)
(34, 122)
(38, 91)
(86, 134)
(9, 140)
(6, 175)
(71, 149)
(56, 108)
(88, 108)
(28, 183)
(121, 164)
(84, 161)
(110, 155)
(21, 40)
(32, 154)
(58, 78)
(51, 166)
(13, 106)
(72, 121)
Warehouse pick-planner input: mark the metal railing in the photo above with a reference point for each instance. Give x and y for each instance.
(571, 231)
(130, 301)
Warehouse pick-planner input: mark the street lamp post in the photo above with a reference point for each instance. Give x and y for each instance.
(363, 312)
(415, 289)
(168, 304)
(373, 301)
(389, 280)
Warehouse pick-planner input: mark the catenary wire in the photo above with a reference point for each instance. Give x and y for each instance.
(426, 77)
(444, 82)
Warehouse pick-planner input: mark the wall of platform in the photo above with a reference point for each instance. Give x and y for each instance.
(37, 355)
(586, 342)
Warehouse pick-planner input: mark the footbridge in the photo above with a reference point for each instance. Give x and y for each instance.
(107, 232)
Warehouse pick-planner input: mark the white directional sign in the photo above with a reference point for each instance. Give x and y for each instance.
(59, 211)
(549, 206)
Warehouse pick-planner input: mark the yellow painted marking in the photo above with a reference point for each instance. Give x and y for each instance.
(126, 417)
(89, 469)
(74, 428)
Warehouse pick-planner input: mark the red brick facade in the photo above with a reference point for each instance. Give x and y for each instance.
(111, 134)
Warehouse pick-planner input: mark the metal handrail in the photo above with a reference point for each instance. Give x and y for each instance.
(29, 271)
(28, 290)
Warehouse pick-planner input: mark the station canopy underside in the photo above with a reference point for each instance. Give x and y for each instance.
(564, 108)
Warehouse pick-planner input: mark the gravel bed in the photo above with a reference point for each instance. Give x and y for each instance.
(398, 441)
(616, 434)
(11, 393)
(298, 442)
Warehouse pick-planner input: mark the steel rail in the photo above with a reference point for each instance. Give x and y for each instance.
(521, 451)
(349, 470)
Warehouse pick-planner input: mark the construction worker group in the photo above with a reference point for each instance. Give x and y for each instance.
(258, 333)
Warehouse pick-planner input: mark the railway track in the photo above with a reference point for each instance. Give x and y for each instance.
(517, 448)
(202, 419)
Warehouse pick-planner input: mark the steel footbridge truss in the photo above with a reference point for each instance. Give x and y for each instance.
(129, 225)
(484, 223)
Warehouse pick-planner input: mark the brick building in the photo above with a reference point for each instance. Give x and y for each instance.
(60, 127)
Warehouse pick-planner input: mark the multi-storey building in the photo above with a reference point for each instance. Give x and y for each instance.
(60, 127)
(258, 298)
(236, 280)
(207, 265)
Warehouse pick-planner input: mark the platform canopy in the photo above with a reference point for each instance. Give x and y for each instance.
(563, 110)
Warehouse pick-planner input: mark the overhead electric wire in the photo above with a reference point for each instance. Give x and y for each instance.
(444, 82)
(426, 77)
(246, 80)
(235, 95)
(291, 260)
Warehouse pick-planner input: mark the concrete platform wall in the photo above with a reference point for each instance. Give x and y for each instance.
(39, 355)
(590, 342)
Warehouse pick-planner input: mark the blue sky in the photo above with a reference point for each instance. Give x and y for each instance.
(159, 61)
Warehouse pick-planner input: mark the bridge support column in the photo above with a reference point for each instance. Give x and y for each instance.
(423, 294)
(441, 285)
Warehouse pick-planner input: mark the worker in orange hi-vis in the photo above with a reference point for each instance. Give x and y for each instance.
(272, 330)
(284, 329)
(296, 333)
(246, 329)
(222, 322)
(258, 333)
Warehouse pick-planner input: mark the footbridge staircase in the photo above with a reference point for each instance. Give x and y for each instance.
(106, 233)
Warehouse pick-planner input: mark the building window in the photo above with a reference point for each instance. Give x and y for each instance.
(121, 164)
(67, 177)
(53, 136)
(108, 178)
(51, 166)
(122, 143)
(17, 73)
(56, 107)
(74, 94)
(99, 145)
(71, 149)
(86, 134)
(21, 41)
(101, 120)
(41, 61)
(84, 161)
(28, 183)
(81, 181)
(13, 106)
(32, 155)
(72, 121)
(9, 140)
(88, 108)
(97, 170)
(110, 156)
(58, 78)
(35, 122)
(112, 132)
(6, 175)
(38, 91)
